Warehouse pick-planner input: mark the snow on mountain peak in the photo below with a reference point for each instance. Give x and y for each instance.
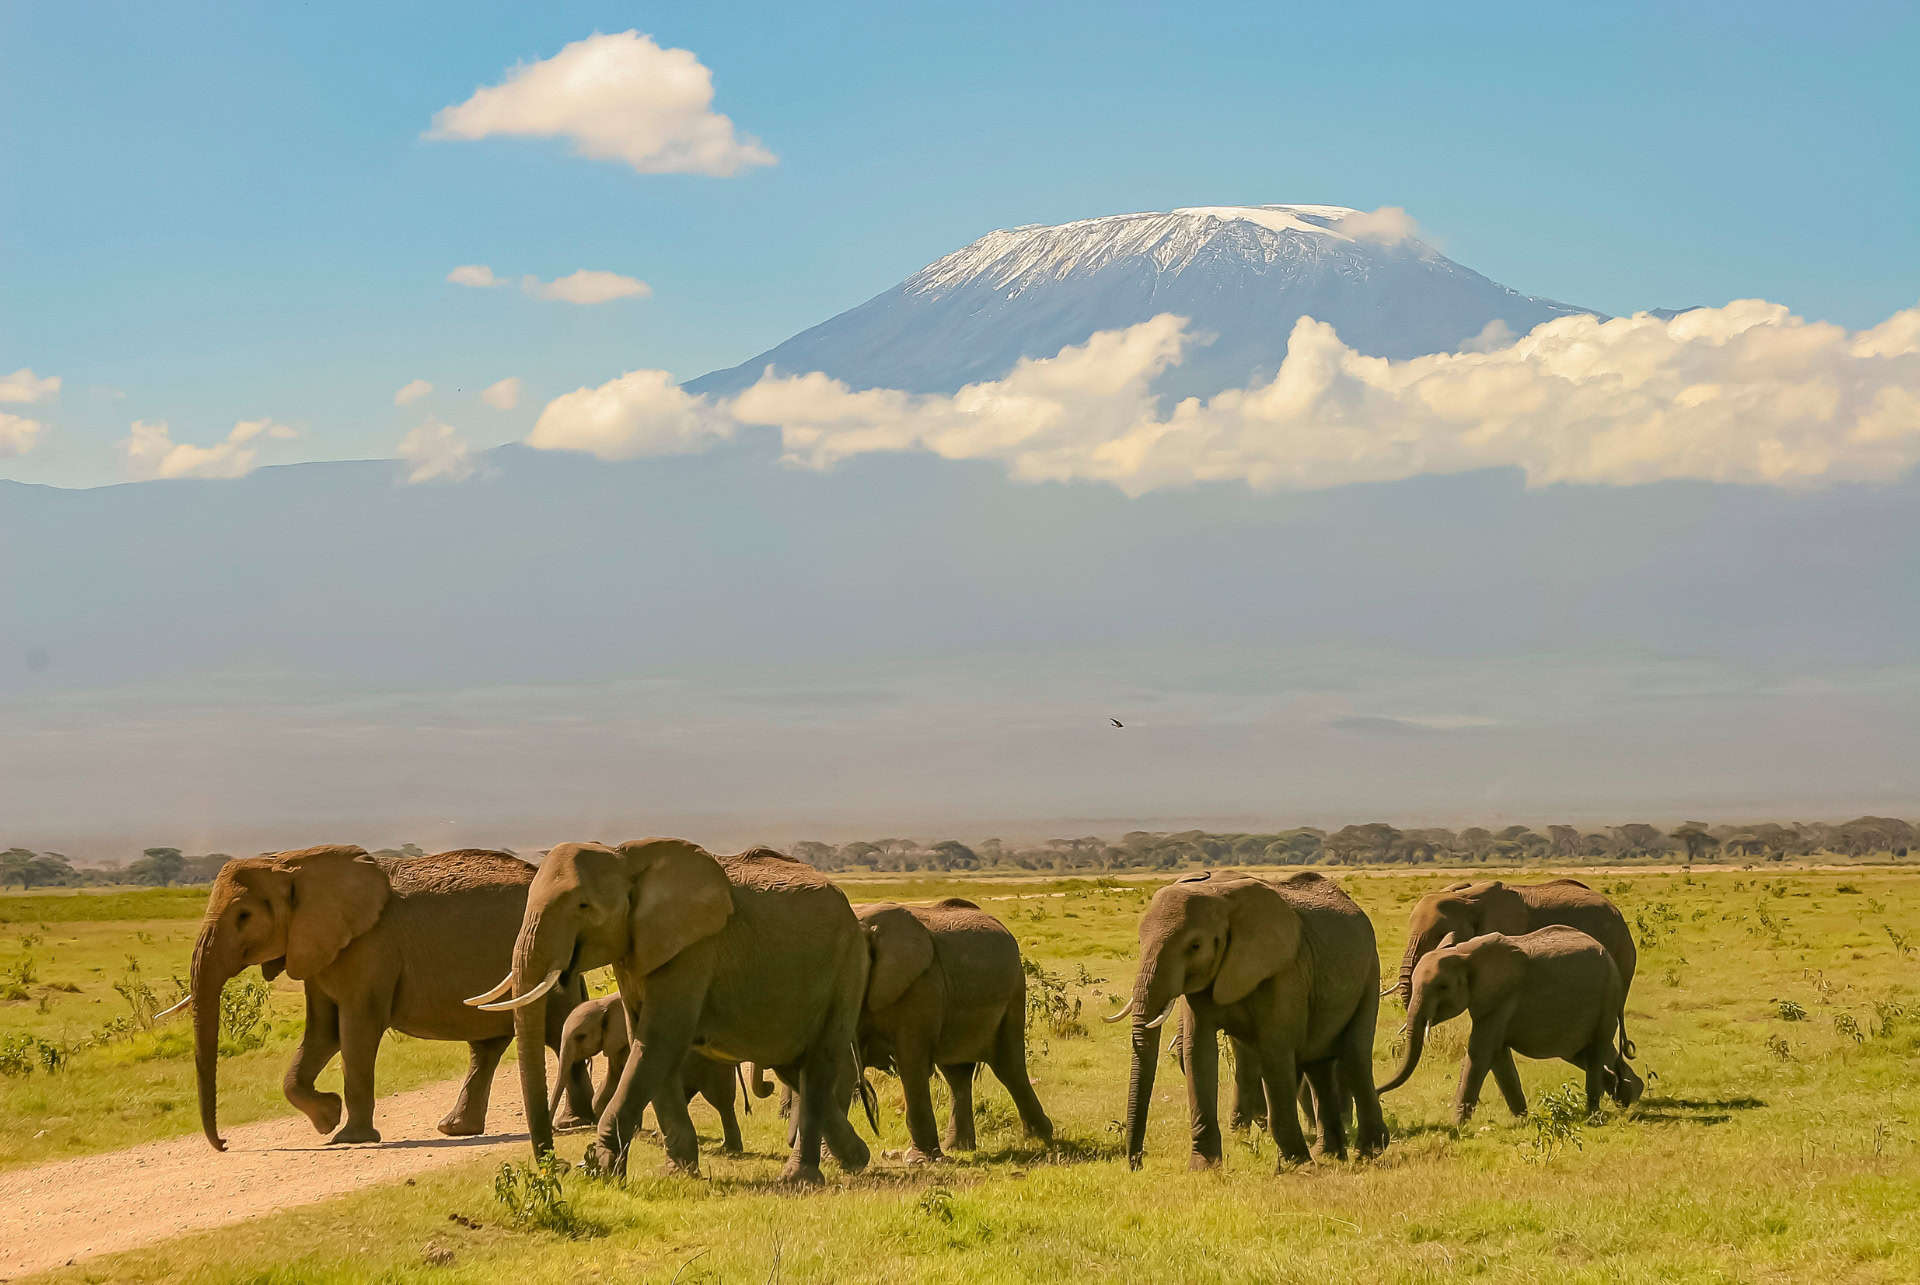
(1015, 258)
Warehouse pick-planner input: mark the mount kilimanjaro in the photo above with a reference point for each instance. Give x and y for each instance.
(1242, 274)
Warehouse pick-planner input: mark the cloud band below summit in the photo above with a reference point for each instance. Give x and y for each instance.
(1746, 393)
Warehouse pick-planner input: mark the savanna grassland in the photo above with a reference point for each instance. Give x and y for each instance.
(1777, 1015)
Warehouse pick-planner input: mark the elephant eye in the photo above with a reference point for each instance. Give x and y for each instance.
(1192, 946)
(243, 916)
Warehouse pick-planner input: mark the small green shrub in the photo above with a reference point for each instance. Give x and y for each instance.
(1789, 1010)
(16, 1055)
(534, 1197)
(1050, 1008)
(1556, 1123)
(243, 1012)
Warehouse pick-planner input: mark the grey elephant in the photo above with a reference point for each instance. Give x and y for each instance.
(599, 1027)
(946, 989)
(755, 957)
(1290, 971)
(1554, 993)
(379, 945)
(1468, 909)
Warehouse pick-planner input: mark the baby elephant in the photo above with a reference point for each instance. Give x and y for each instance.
(1553, 993)
(600, 1026)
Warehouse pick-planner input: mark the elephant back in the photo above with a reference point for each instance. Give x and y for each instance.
(1340, 939)
(1571, 903)
(462, 870)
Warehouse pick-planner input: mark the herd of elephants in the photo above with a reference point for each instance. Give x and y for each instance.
(730, 965)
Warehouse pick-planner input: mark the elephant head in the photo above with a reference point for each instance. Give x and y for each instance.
(1221, 934)
(292, 912)
(1465, 910)
(901, 950)
(637, 906)
(1449, 980)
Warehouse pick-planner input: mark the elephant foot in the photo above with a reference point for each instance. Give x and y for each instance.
(457, 1127)
(570, 1123)
(324, 1110)
(915, 1156)
(605, 1160)
(1197, 1161)
(354, 1133)
(1373, 1145)
(681, 1168)
(801, 1175)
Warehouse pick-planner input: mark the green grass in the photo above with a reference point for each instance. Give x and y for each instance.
(1764, 1149)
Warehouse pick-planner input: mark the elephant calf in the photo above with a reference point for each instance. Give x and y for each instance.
(946, 990)
(599, 1026)
(1552, 993)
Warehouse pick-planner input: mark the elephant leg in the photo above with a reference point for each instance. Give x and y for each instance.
(1282, 1077)
(664, 1030)
(1327, 1107)
(1507, 1076)
(362, 1027)
(469, 1114)
(812, 1102)
(719, 1094)
(1249, 1094)
(676, 1124)
(319, 1041)
(1009, 1065)
(616, 1065)
(959, 1078)
(1593, 1062)
(1485, 1043)
(836, 1129)
(1355, 1067)
(1203, 1088)
(915, 1064)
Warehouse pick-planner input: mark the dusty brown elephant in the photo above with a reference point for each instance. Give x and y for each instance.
(380, 945)
(755, 957)
(1469, 909)
(599, 1028)
(1554, 993)
(1290, 971)
(946, 990)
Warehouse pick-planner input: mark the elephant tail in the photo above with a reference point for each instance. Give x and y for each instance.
(1627, 1048)
(746, 1098)
(869, 1100)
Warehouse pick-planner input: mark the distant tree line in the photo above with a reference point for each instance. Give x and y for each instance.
(1374, 843)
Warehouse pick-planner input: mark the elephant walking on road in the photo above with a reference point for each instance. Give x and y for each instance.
(599, 1027)
(946, 990)
(1554, 993)
(1291, 972)
(380, 945)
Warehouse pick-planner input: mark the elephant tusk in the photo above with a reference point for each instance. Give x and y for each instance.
(170, 1010)
(1121, 1015)
(1390, 990)
(505, 987)
(503, 1005)
(1165, 1013)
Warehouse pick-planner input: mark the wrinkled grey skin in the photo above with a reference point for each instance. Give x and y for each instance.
(1554, 993)
(1290, 971)
(599, 1027)
(1467, 910)
(755, 957)
(946, 989)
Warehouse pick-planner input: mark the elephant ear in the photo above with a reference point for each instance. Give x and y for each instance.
(1495, 969)
(680, 896)
(1503, 910)
(1263, 937)
(337, 894)
(902, 949)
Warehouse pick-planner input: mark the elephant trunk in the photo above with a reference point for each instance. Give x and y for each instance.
(211, 971)
(536, 956)
(1416, 1043)
(1418, 944)
(1153, 995)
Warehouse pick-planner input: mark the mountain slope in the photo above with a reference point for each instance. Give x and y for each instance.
(1244, 274)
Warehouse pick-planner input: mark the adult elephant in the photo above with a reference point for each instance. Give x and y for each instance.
(946, 990)
(755, 957)
(379, 945)
(1467, 910)
(1291, 972)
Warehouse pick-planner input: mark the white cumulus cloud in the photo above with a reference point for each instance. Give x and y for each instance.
(17, 435)
(411, 392)
(24, 386)
(614, 97)
(504, 395)
(587, 286)
(1388, 225)
(644, 412)
(151, 452)
(436, 452)
(1748, 393)
(478, 275)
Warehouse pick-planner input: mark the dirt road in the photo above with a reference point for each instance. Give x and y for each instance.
(75, 1209)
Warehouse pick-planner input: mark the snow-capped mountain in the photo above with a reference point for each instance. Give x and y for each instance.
(1243, 274)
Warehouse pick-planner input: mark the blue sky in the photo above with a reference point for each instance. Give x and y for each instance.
(213, 214)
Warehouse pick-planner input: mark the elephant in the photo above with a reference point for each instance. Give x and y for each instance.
(1290, 971)
(946, 989)
(1468, 909)
(599, 1026)
(1551, 993)
(379, 945)
(755, 957)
